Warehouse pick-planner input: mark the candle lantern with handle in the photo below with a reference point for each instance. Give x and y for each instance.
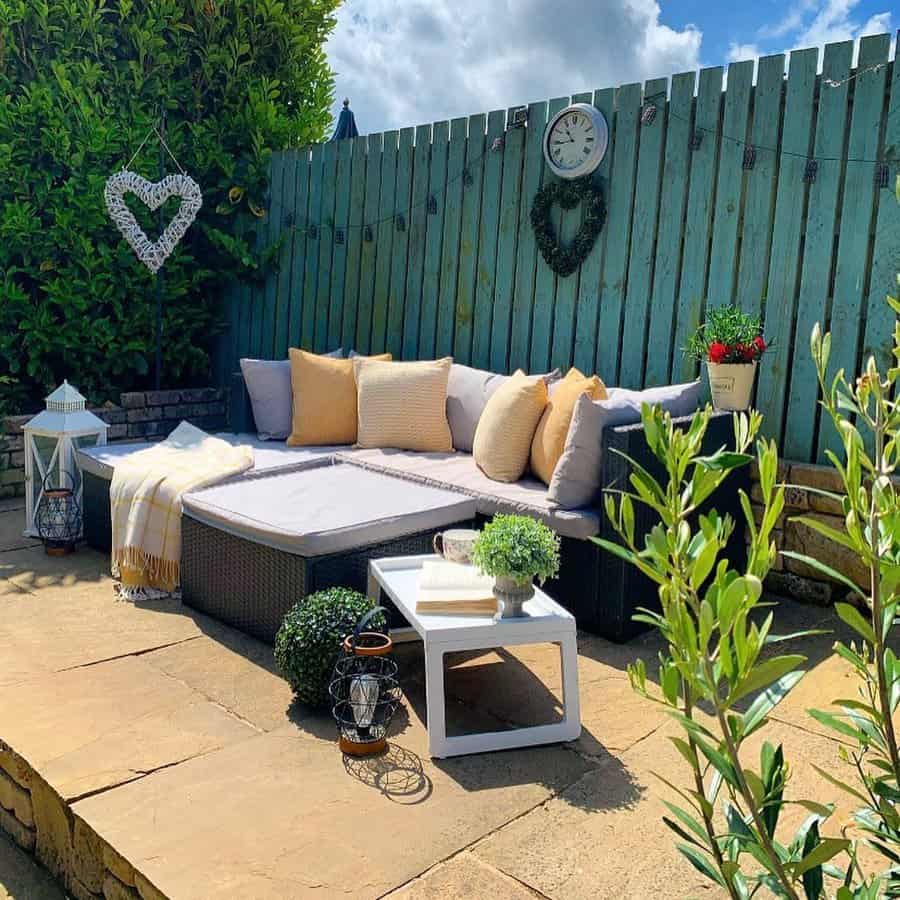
(364, 689)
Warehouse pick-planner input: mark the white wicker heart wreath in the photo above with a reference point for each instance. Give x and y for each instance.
(153, 194)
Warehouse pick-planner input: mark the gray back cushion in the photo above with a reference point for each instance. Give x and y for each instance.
(576, 479)
(269, 386)
(468, 391)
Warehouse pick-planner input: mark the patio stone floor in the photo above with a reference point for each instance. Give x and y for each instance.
(165, 758)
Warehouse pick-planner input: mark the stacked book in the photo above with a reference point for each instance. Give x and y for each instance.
(447, 588)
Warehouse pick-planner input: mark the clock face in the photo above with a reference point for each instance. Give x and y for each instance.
(575, 141)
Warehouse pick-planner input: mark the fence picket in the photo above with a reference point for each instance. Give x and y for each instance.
(821, 225)
(676, 172)
(285, 254)
(384, 236)
(400, 244)
(492, 166)
(298, 242)
(339, 248)
(854, 246)
(643, 233)
(434, 239)
(353, 238)
(368, 253)
(311, 275)
(418, 223)
(325, 242)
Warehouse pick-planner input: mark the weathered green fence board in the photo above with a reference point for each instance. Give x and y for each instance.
(853, 256)
(311, 273)
(437, 254)
(338, 234)
(397, 291)
(886, 254)
(492, 166)
(526, 248)
(451, 205)
(297, 237)
(674, 190)
(418, 223)
(759, 202)
(786, 236)
(563, 331)
(473, 177)
(698, 219)
(585, 351)
(643, 234)
(353, 237)
(621, 206)
(384, 238)
(326, 245)
(729, 186)
(821, 222)
(545, 280)
(369, 246)
(507, 241)
(285, 254)
(434, 240)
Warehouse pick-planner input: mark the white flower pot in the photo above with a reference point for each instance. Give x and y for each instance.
(731, 384)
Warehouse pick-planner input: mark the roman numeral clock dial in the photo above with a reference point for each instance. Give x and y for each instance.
(575, 141)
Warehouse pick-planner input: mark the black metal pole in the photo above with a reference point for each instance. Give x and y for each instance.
(159, 273)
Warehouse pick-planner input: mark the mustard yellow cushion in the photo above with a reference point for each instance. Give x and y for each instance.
(403, 405)
(550, 435)
(324, 399)
(506, 427)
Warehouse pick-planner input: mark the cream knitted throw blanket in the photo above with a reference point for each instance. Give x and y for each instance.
(145, 502)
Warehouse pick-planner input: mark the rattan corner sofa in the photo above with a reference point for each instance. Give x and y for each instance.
(250, 574)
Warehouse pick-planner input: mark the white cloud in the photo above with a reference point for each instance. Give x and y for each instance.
(739, 52)
(425, 60)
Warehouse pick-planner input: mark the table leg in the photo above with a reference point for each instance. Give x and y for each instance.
(435, 703)
(568, 657)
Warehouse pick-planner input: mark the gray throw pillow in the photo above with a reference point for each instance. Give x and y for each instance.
(268, 383)
(468, 391)
(576, 479)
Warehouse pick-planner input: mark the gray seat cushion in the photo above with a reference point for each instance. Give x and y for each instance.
(268, 457)
(331, 509)
(458, 472)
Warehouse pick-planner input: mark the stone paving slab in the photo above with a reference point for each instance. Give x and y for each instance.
(463, 876)
(12, 524)
(90, 728)
(279, 815)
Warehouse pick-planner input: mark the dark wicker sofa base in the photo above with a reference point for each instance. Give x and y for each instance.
(252, 586)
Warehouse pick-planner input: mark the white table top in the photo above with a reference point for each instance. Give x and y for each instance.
(399, 577)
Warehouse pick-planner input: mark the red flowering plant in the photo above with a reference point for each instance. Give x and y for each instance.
(729, 335)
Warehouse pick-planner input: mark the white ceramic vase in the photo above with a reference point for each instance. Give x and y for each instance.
(731, 384)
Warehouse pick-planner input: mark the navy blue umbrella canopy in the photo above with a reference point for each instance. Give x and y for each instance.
(346, 126)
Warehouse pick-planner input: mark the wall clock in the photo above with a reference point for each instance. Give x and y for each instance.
(575, 141)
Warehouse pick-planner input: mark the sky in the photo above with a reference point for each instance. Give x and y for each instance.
(406, 62)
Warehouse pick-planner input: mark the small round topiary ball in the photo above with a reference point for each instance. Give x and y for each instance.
(309, 640)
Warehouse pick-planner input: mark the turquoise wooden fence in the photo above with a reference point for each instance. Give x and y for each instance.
(774, 192)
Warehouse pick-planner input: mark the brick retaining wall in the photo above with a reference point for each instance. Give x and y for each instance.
(140, 416)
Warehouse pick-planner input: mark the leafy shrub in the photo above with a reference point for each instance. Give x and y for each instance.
(81, 84)
(518, 547)
(309, 641)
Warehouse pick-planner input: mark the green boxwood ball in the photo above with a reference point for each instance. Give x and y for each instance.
(309, 640)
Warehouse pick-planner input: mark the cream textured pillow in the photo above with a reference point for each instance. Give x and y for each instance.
(403, 405)
(506, 427)
(324, 392)
(550, 435)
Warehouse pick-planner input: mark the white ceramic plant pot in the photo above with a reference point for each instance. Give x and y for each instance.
(731, 384)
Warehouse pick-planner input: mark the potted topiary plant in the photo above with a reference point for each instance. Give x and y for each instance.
(516, 550)
(309, 640)
(731, 343)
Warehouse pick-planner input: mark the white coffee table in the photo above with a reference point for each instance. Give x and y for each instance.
(545, 621)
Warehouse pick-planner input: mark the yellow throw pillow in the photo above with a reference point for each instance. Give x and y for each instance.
(506, 427)
(550, 435)
(324, 397)
(403, 405)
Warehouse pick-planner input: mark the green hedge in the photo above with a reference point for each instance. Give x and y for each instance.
(81, 82)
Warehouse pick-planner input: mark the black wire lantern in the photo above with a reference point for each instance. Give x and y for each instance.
(58, 517)
(364, 689)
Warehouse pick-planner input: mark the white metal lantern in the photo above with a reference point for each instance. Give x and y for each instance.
(51, 439)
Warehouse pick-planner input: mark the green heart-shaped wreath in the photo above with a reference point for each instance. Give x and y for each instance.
(568, 194)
